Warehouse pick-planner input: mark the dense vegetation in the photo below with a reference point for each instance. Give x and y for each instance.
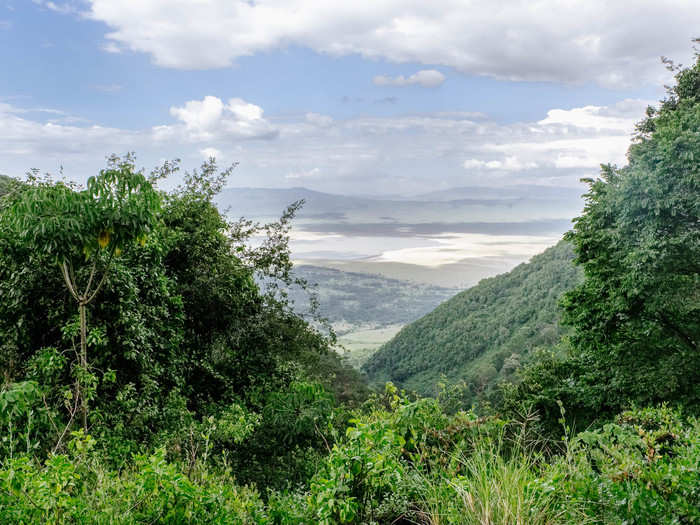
(177, 331)
(636, 316)
(484, 334)
(148, 377)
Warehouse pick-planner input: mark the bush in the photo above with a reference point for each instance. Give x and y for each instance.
(642, 469)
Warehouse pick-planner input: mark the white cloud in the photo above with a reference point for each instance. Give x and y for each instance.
(210, 117)
(621, 117)
(611, 43)
(507, 164)
(66, 7)
(319, 120)
(397, 154)
(111, 47)
(427, 78)
(200, 116)
(314, 172)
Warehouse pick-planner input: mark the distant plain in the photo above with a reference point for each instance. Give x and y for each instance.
(379, 263)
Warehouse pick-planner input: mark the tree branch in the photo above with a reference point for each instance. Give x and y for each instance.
(92, 276)
(66, 278)
(102, 281)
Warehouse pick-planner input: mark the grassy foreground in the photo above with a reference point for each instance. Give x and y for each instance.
(399, 461)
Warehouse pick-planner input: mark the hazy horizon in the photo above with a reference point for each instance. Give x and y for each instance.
(438, 136)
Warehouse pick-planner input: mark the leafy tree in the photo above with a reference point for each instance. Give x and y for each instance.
(636, 317)
(6, 184)
(82, 231)
(191, 324)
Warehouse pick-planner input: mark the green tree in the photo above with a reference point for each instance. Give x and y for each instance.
(636, 317)
(82, 231)
(6, 184)
(187, 325)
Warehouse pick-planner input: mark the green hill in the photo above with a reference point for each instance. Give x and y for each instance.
(481, 335)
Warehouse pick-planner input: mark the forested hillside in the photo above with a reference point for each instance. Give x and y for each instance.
(482, 335)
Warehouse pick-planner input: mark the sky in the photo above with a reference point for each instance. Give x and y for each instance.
(381, 97)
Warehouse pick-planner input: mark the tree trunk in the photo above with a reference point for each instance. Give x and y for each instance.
(82, 307)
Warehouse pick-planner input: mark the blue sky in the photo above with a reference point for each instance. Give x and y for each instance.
(85, 78)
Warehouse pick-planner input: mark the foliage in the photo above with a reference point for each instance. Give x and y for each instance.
(185, 347)
(635, 318)
(7, 184)
(399, 461)
(484, 334)
(644, 468)
(76, 488)
(72, 228)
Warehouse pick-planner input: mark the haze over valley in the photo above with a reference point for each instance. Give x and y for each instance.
(451, 238)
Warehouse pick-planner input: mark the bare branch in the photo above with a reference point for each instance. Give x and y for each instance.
(92, 276)
(66, 277)
(102, 281)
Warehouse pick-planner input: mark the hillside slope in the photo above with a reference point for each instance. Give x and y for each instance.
(5, 184)
(352, 298)
(366, 310)
(482, 334)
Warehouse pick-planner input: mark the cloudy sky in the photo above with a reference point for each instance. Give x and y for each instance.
(380, 96)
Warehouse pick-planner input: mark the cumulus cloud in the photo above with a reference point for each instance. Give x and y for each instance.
(549, 40)
(394, 154)
(210, 117)
(208, 153)
(621, 116)
(24, 139)
(427, 78)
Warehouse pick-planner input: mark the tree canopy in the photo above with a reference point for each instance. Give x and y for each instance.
(182, 330)
(636, 317)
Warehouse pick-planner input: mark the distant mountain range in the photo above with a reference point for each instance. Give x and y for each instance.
(516, 203)
(474, 232)
(482, 335)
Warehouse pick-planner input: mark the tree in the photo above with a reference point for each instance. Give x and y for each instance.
(636, 317)
(182, 329)
(82, 232)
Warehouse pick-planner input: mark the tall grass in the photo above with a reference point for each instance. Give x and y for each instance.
(494, 487)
